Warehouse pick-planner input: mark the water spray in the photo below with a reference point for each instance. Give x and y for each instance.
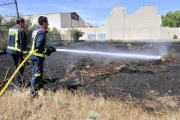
(126, 55)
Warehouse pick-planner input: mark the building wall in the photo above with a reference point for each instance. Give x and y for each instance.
(67, 22)
(86, 31)
(144, 24)
(167, 33)
(57, 20)
(75, 23)
(140, 25)
(53, 19)
(95, 31)
(81, 23)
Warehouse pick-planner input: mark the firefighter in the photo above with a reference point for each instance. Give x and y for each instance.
(17, 47)
(39, 42)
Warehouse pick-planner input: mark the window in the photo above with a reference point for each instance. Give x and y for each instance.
(74, 16)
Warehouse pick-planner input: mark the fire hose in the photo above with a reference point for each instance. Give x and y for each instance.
(17, 71)
(5, 78)
(49, 51)
(22, 52)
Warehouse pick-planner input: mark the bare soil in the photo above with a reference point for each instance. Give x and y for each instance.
(154, 84)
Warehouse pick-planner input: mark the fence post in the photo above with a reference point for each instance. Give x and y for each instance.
(52, 38)
(173, 31)
(150, 32)
(129, 33)
(111, 32)
(168, 35)
(95, 33)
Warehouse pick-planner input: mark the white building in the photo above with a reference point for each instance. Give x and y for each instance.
(59, 20)
(139, 25)
(144, 24)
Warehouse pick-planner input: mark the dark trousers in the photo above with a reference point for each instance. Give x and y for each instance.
(37, 74)
(17, 61)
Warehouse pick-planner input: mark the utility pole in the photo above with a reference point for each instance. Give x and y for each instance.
(16, 8)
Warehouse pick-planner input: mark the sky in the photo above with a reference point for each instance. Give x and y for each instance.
(94, 12)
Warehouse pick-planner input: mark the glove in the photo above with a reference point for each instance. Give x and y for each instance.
(50, 50)
(25, 55)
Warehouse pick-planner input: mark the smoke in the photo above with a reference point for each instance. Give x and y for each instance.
(163, 48)
(121, 51)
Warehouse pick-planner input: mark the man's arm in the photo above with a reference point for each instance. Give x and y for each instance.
(22, 41)
(40, 44)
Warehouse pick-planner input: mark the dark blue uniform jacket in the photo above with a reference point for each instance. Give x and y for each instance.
(40, 43)
(11, 48)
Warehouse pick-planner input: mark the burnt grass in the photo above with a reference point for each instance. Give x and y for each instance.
(154, 84)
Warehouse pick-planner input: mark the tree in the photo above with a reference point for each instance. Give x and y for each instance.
(1, 18)
(75, 34)
(171, 19)
(29, 28)
(3, 41)
(5, 24)
(54, 30)
(4, 29)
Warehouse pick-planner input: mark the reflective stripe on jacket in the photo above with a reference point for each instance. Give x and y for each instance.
(38, 41)
(17, 37)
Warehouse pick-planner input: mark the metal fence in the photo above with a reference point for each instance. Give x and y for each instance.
(53, 39)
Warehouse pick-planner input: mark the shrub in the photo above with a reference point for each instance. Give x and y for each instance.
(54, 30)
(175, 37)
(29, 28)
(92, 115)
(4, 29)
(130, 47)
(75, 34)
(8, 23)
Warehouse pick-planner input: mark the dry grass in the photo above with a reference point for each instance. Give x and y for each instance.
(63, 105)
